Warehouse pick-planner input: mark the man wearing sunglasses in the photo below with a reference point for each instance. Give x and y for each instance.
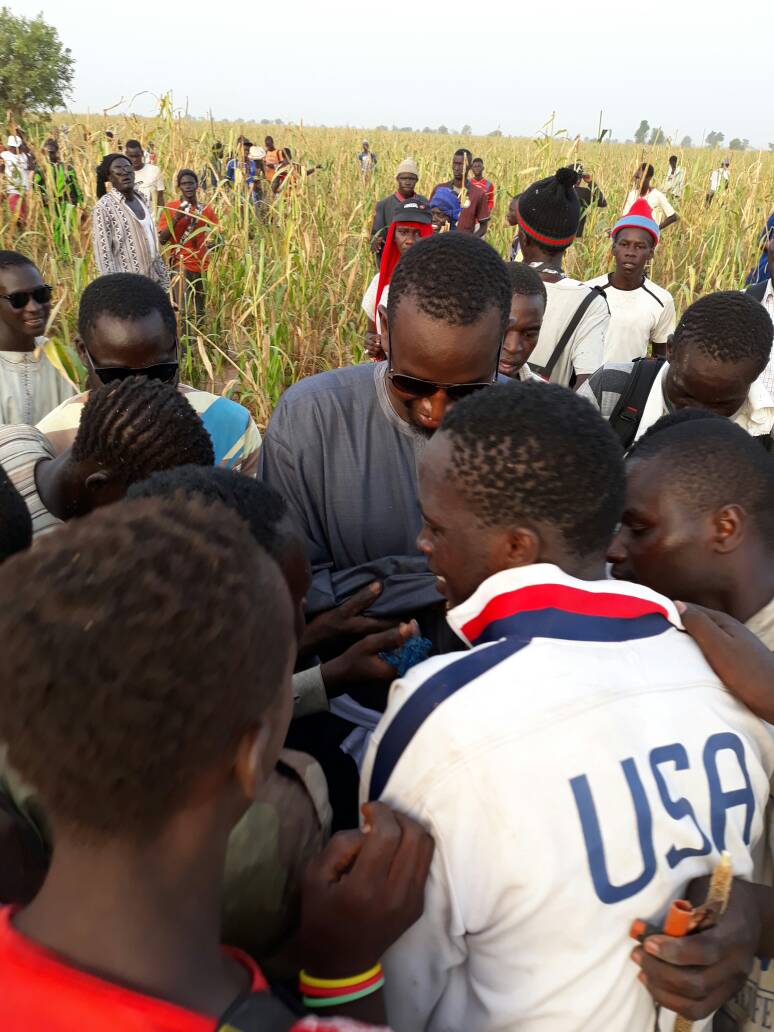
(127, 327)
(342, 447)
(31, 382)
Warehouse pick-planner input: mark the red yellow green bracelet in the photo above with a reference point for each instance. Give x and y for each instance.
(329, 992)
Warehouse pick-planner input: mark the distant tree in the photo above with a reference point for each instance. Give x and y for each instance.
(278, 121)
(771, 146)
(656, 137)
(737, 144)
(642, 133)
(405, 129)
(442, 129)
(466, 130)
(37, 71)
(686, 142)
(382, 128)
(495, 132)
(715, 139)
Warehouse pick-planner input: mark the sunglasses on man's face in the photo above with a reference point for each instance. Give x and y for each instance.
(413, 387)
(165, 372)
(21, 298)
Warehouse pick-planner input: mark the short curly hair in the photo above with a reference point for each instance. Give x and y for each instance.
(123, 295)
(728, 326)
(138, 426)
(538, 452)
(15, 519)
(139, 644)
(525, 281)
(14, 260)
(710, 462)
(263, 509)
(453, 277)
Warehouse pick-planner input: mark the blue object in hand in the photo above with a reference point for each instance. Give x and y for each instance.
(414, 651)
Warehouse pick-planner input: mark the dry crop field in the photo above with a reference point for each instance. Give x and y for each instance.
(284, 295)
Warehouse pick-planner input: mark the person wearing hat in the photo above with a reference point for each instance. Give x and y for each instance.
(15, 167)
(642, 314)
(367, 159)
(445, 208)
(571, 344)
(411, 223)
(407, 176)
(474, 207)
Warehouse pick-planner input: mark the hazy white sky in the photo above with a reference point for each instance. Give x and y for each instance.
(485, 64)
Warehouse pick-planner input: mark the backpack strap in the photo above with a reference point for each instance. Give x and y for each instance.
(257, 1012)
(758, 290)
(546, 370)
(627, 414)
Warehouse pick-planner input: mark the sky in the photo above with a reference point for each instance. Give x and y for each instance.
(488, 65)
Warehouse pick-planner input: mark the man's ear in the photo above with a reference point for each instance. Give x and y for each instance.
(729, 526)
(104, 487)
(80, 349)
(523, 547)
(385, 331)
(250, 760)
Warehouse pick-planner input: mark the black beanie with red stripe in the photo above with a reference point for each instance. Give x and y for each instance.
(549, 211)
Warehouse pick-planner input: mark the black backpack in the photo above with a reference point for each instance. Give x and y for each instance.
(627, 414)
(258, 1012)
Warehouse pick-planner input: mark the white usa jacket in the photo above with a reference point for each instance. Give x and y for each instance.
(577, 768)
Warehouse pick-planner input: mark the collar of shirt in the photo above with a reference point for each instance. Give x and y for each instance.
(510, 604)
(756, 416)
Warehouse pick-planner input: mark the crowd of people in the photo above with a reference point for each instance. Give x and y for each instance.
(408, 712)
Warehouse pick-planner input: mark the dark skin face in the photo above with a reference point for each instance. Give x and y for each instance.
(20, 327)
(135, 156)
(52, 152)
(269, 143)
(527, 311)
(511, 216)
(406, 237)
(459, 169)
(121, 176)
(632, 250)
(407, 182)
(462, 551)
(188, 186)
(429, 349)
(477, 168)
(694, 380)
(440, 220)
(132, 343)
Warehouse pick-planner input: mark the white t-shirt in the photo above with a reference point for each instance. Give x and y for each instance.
(369, 301)
(548, 764)
(30, 385)
(767, 376)
(148, 182)
(585, 349)
(662, 209)
(17, 175)
(637, 318)
(718, 176)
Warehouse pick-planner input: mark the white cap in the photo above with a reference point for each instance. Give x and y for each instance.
(13, 141)
(256, 153)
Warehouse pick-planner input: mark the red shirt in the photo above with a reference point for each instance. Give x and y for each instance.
(474, 207)
(41, 992)
(191, 240)
(488, 187)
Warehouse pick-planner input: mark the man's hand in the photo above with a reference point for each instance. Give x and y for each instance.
(364, 891)
(738, 657)
(346, 620)
(697, 974)
(373, 346)
(361, 663)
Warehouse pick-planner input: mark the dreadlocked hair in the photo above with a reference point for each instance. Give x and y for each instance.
(139, 644)
(103, 172)
(138, 427)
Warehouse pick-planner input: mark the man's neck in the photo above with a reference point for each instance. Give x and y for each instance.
(623, 280)
(150, 919)
(15, 342)
(551, 263)
(749, 590)
(406, 196)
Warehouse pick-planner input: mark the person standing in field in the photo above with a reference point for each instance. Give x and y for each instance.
(663, 212)
(571, 345)
(762, 289)
(409, 225)
(148, 180)
(674, 184)
(191, 227)
(589, 196)
(212, 175)
(15, 167)
(271, 158)
(58, 187)
(474, 213)
(477, 179)
(642, 314)
(719, 180)
(528, 307)
(124, 235)
(31, 383)
(445, 209)
(407, 176)
(366, 159)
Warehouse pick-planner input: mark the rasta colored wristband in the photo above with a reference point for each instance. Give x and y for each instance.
(340, 983)
(328, 992)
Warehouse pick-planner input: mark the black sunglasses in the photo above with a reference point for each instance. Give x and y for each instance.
(414, 387)
(21, 298)
(164, 371)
